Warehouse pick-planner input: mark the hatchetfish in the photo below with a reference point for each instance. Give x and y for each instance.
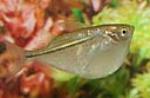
(91, 52)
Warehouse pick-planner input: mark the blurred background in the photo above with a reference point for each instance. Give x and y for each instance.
(26, 22)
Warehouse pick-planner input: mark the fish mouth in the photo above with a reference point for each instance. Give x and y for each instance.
(131, 28)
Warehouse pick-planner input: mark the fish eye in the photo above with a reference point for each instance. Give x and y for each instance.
(124, 32)
(2, 47)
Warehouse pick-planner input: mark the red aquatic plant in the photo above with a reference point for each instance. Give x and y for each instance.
(36, 80)
(32, 24)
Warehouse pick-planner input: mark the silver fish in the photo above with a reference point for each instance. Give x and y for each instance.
(91, 52)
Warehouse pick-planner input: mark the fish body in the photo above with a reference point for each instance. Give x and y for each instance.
(91, 52)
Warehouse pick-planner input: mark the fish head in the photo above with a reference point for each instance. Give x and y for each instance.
(118, 32)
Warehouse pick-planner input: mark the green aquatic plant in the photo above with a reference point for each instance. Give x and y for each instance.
(116, 84)
(141, 86)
